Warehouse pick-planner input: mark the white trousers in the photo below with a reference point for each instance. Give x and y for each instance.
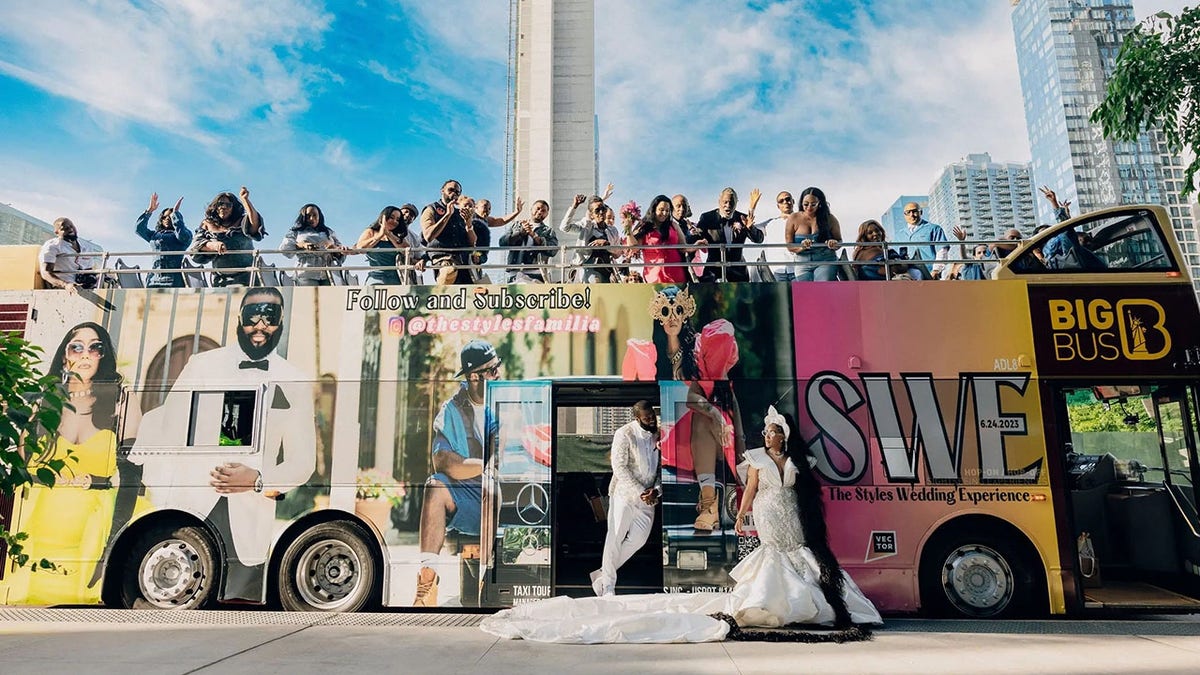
(629, 525)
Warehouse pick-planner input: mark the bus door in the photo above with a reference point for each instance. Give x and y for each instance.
(1175, 412)
(698, 552)
(586, 415)
(514, 563)
(1131, 475)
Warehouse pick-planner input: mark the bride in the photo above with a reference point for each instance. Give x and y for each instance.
(791, 578)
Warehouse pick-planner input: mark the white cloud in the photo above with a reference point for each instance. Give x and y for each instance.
(782, 98)
(182, 69)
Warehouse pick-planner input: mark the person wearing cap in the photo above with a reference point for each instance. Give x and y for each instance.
(453, 492)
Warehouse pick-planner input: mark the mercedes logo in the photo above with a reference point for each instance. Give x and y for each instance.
(532, 504)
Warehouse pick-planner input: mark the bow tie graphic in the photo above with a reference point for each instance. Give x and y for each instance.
(261, 365)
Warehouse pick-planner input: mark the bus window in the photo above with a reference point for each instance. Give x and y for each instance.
(1130, 241)
(224, 418)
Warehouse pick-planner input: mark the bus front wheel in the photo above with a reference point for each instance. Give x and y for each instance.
(174, 568)
(978, 577)
(328, 568)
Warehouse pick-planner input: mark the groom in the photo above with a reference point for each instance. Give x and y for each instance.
(633, 493)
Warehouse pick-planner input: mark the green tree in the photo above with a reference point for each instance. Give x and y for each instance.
(31, 404)
(1156, 84)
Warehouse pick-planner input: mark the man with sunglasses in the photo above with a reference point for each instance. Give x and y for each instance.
(244, 482)
(592, 258)
(920, 230)
(446, 227)
(453, 492)
(779, 260)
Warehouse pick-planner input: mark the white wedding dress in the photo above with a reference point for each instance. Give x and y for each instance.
(776, 584)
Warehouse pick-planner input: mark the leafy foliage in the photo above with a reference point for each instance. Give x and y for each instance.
(31, 404)
(1156, 84)
(1099, 417)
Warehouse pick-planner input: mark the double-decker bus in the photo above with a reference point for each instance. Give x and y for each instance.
(1020, 445)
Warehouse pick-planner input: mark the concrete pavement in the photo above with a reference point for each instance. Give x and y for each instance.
(142, 642)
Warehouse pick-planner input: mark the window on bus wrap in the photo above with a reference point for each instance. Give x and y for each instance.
(1125, 242)
(224, 418)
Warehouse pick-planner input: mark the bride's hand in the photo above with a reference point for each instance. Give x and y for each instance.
(737, 525)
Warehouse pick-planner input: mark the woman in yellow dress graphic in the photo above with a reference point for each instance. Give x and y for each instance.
(70, 523)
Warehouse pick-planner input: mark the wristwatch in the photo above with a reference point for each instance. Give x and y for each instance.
(258, 483)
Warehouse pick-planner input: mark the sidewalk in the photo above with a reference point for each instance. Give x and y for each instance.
(142, 642)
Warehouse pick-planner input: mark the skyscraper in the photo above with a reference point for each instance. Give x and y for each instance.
(1064, 50)
(984, 197)
(553, 134)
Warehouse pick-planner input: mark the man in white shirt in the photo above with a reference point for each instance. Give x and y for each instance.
(59, 257)
(777, 256)
(634, 492)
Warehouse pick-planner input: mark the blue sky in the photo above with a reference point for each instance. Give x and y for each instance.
(356, 105)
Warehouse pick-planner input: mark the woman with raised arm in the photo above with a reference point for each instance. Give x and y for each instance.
(170, 235)
(230, 228)
(814, 235)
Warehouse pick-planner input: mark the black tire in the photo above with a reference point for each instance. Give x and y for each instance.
(328, 568)
(978, 576)
(171, 567)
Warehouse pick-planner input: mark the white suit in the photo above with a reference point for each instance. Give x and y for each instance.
(176, 474)
(635, 464)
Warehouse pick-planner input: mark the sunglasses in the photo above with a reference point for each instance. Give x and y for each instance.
(494, 371)
(95, 348)
(228, 205)
(784, 199)
(270, 313)
(912, 211)
(810, 205)
(670, 309)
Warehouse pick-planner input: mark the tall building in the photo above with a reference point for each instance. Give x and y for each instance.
(1064, 50)
(893, 219)
(983, 197)
(18, 227)
(553, 135)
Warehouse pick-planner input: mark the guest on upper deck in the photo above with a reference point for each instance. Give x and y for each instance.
(725, 231)
(919, 230)
(814, 235)
(659, 229)
(314, 246)
(445, 226)
(170, 235)
(60, 262)
(526, 242)
(387, 238)
(226, 238)
(593, 257)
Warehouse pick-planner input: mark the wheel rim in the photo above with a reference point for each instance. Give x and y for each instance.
(328, 574)
(172, 574)
(978, 580)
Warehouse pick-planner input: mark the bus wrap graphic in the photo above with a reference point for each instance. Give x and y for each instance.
(1119, 330)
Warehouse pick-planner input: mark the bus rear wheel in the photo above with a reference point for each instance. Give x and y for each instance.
(174, 568)
(328, 568)
(977, 577)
